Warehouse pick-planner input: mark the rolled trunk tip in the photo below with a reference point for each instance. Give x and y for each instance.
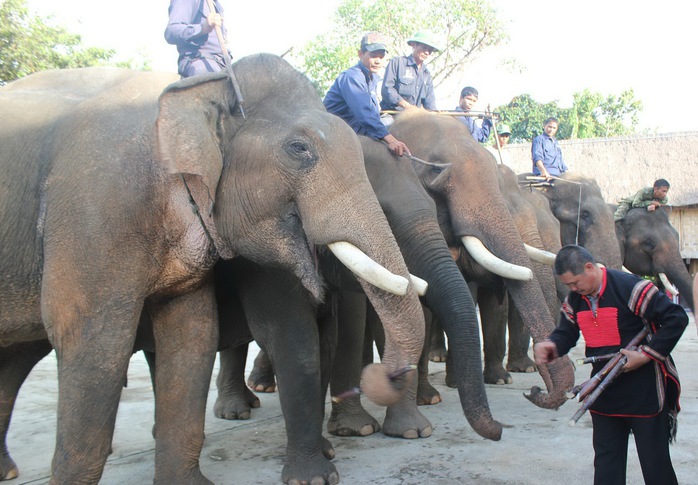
(545, 400)
(488, 429)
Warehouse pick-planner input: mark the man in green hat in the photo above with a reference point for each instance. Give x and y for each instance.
(407, 82)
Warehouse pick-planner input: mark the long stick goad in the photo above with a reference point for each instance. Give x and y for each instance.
(228, 62)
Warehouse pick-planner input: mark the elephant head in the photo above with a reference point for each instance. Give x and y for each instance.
(465, 187)
(585, 218)
(286, 178)
(650, 246)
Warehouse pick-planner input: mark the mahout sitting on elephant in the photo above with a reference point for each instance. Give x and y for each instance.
(101, 170)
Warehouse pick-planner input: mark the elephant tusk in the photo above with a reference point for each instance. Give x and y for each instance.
(626, 269)
(667, 284)
(419, 284)
(364, 267)
(540, 255)
(494, 264)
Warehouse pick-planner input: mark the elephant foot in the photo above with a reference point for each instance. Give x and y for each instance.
(327, 448)
(261, 378)
(404, 420)
(426, 394)
(235, 406)
(438, 354)
(497, 375)
(521, 364)
(316, 470)
(8, 468)
(351, 419)
(450, 380)
(261, 382)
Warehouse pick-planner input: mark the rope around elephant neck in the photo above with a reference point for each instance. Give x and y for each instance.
(195, 210)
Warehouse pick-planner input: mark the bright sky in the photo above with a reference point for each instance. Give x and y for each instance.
(562, 47)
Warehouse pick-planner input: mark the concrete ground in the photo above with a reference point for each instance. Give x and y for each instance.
(538, 447)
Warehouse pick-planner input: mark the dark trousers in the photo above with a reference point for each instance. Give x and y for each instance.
(652, 443)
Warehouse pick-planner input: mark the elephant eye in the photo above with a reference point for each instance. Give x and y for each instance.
(301, 152)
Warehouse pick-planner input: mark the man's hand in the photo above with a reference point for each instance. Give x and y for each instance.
(396, 146)
(636, 359)
(213, 20)
(544, 352)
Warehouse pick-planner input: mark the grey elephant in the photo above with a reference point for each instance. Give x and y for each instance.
(478, 225)
(649, 245)
(101, 169)
(412, 215)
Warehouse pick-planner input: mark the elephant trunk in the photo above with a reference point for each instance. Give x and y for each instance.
(450, 302)
(533, 307)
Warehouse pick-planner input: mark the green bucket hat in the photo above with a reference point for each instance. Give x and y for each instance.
(425, 37)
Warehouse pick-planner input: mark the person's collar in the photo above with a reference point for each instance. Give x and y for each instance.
(602, 286)
(365, 70)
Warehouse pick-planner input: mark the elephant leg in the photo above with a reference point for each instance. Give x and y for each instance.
(16, 361)
(348, 417)
(92, 366)
(493, 316)
(235, 400)
(261, 378)
(426, 394)
(282, 316)
(519, 341)
(437, 349)
(185, 329)
(403, 419)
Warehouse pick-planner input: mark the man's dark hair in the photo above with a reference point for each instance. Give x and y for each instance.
(552, 118)
(661, 183)
(469, 90)
(572, 258)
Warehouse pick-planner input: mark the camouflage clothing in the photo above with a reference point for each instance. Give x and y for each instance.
(643, 198)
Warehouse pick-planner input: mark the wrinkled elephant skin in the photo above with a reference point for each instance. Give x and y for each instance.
(94, 163)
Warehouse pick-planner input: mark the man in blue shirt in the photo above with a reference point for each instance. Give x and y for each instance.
(468, 98)
(407, 83)
(192, 28)
(353, 96)
(546, 152)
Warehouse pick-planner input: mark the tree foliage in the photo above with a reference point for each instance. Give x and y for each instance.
(463, 27)
(29, 44)
(592, 115)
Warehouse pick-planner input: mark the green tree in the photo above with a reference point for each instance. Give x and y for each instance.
(591, 116)
(30, 44)
(465, 28)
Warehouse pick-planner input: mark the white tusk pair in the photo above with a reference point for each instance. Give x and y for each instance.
(366, 268)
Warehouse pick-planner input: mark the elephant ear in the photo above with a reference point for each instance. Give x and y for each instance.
(187, 129)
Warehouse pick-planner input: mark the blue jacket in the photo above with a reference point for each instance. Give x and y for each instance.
(546, 148)
(353, 98)
(480, 133)
(184, 29)
(404, 81)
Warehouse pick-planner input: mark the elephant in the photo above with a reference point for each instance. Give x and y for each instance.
(585, 218)
(649, 245)
(470, 207)
(412, 215)
(121, 190)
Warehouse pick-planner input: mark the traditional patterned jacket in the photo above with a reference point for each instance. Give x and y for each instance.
(626, 304)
